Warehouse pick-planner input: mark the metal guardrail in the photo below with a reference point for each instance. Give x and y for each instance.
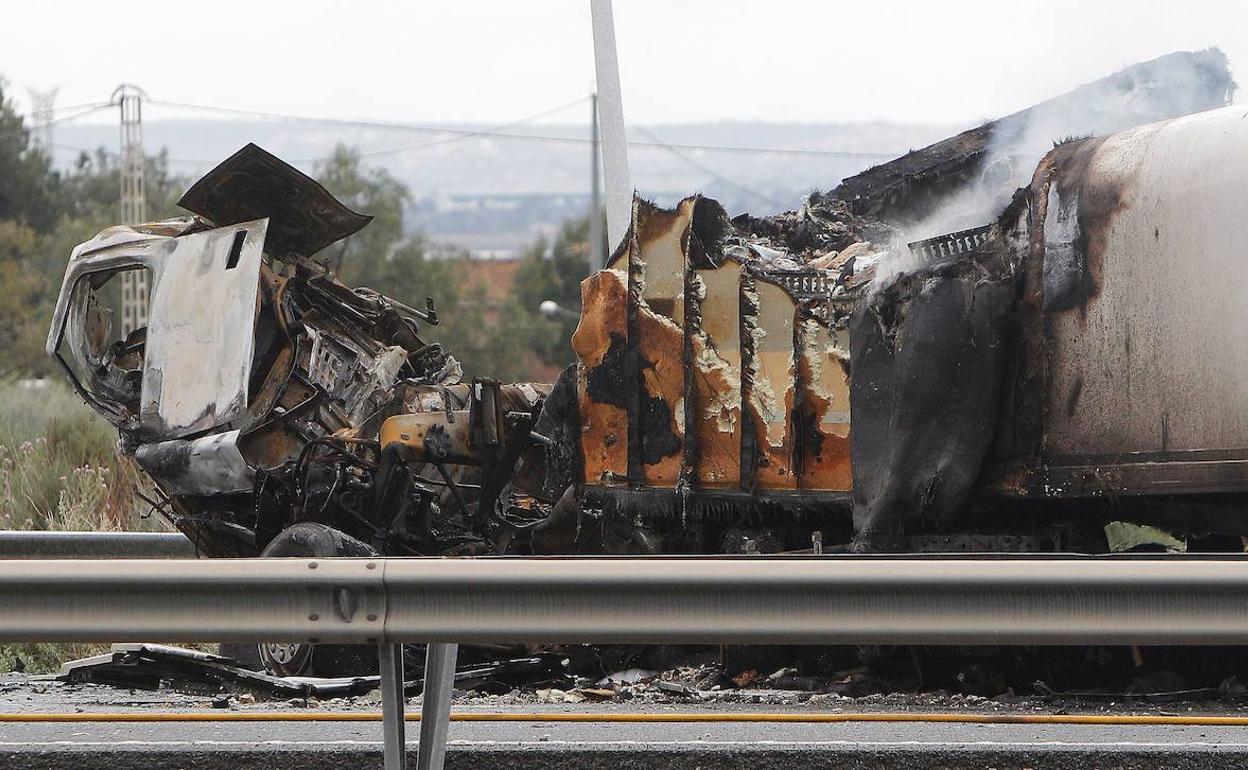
(752, 600)
(32, 544)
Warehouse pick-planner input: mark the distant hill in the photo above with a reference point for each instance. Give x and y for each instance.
(496, 196)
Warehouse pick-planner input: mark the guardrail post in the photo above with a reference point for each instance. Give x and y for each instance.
(393, 706)
(435, 711)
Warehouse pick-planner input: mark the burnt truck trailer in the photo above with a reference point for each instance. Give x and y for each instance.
(814, 380)
(1012, 387)
(1085, 363)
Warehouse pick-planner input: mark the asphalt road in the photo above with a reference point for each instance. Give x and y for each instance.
(519, 745)
(591, 745)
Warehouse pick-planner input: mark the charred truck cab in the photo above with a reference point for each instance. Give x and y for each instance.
(255, 394)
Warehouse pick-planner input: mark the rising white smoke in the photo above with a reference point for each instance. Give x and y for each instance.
(1170, 86)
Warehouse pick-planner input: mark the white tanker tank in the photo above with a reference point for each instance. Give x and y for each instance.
(1093, 350)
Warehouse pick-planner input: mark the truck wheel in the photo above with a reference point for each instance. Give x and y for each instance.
(326, 660)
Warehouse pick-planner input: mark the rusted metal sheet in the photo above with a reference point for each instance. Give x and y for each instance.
(823, 406)
(658, 264)
(599, 342)
(740, 384)
(768, 384)
(717, 377)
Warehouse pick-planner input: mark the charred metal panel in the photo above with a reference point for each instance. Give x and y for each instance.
(661, 256)
(929, 358)
(600, 343)
(658, 264)
(822, 415)
(732, 351)
(441, 436)
(201, 330)
(253, 184)
(275, 441)
(211, 465)
(1150, 354)
(717, 377)
(769, 380)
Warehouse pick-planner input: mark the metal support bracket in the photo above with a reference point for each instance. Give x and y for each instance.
(393, 706)
(435, 712)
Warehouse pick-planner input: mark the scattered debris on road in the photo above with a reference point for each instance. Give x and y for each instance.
(155, 666)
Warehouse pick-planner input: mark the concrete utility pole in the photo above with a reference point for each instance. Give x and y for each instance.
(134, 283)
(41, 106)
(596, 258)
(611, 115)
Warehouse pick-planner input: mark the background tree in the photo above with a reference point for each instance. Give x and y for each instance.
(29, 190)
(44, 213)
(554, 271)
(487, 340)
(361, 259)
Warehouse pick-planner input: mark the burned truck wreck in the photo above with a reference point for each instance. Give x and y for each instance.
(257, 392)
(1018, 365)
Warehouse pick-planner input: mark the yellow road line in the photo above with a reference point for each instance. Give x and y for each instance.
(670, 717)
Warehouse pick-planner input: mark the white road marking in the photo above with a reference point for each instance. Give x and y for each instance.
(1168, 745)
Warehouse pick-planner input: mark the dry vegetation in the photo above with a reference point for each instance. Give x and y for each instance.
(59, 470)
(58, 465)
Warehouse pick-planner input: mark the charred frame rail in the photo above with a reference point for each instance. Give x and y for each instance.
(750, 600)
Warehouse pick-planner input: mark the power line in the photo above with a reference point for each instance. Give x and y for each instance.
(473, 134)
(87, 150)
(80, 111)
(83, 109)
(714, 174)
(457, 134)
(86, 105)
(499, 134)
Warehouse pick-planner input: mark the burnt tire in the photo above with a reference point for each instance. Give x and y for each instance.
(326, 660)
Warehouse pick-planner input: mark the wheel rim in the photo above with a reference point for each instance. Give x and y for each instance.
(286, 659)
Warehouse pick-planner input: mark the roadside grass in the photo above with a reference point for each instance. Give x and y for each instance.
(59, 470)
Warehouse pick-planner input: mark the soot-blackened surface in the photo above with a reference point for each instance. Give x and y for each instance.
(655, 423)
(1076, 215)
(606, 383)
(928, 353)
(559, 421)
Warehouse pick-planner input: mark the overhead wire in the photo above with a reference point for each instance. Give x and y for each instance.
(79, 111)
(482, 133)
(502, 134)
(714, 174)
(82, 110)
(456, 133)
(451, 134)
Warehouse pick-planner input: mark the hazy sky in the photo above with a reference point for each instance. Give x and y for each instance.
(498, 60)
